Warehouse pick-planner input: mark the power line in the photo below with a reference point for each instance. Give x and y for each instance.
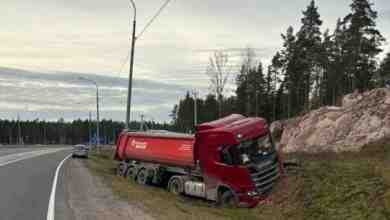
(153, 18)
(143, 31)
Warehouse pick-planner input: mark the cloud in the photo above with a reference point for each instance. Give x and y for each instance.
(386, 15)
(74, 79)
(63, 92)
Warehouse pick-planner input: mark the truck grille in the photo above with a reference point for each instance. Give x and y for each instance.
(265, 174)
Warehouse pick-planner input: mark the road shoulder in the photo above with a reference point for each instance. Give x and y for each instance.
(85, 196)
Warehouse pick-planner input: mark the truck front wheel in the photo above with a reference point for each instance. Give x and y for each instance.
(227, 199)
(175, 185)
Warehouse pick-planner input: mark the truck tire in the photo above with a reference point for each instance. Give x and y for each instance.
(120, 169)
(131, 173)
(143, 177)
(176, 185)
(227, 199)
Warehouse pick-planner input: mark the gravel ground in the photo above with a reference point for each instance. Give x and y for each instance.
(83, 196)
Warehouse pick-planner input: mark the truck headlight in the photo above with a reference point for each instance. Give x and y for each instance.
(252, 193)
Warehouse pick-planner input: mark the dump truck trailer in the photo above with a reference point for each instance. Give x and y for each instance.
(232, 161)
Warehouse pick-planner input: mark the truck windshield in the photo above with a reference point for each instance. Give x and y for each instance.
(248, 151)
(254, 150)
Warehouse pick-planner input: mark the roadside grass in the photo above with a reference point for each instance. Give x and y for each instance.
(326, 186)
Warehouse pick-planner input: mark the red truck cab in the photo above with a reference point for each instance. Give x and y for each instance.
(232, 160)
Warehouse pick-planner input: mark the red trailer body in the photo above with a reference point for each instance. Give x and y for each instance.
(163, 148)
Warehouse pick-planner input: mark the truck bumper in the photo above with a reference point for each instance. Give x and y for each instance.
(245, 201)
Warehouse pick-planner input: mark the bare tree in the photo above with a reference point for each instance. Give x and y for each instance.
(248, 62)
(219, 71)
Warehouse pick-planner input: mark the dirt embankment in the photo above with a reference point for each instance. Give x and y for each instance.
(362, 120)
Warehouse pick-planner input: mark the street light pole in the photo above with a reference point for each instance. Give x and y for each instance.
(19, 142)
(195, 93)
(129, 92)
(97, 109)
(89, 129)
(97, 118)
(257, 103)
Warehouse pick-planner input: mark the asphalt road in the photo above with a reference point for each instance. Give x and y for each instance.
(25, 185)
(14, 150)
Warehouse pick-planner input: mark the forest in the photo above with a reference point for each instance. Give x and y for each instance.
(315, 67)
(62, 132)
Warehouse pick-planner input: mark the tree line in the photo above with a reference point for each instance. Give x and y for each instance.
(62, 132)
(313, 68)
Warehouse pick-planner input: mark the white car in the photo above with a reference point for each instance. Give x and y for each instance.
(80, 150)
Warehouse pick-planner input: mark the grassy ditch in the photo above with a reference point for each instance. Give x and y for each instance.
(326, 186)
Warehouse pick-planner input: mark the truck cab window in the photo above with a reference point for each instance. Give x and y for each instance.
(226, 156)
(230, 156)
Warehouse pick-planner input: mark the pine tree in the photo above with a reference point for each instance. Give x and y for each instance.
(290, 72)
(324, 82)
(242, 91)
(211, 111)
(384, 71)
(273, 80)
(339, 76)
(257, 90)
(362, 45)
(309, 44)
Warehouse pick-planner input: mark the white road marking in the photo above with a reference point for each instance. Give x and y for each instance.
(51, 207)
(12, 158)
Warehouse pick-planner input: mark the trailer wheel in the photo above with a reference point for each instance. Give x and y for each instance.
(175, 185)
(131, 173)
(120, 170)
(142, 177)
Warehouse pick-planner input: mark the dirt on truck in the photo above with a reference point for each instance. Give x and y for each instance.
(232, 161)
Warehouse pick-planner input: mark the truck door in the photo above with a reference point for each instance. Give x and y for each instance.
(229, 170)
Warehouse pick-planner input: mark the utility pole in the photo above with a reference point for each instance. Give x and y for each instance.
(97, 110)
(129, 91)
(97, 119)
(195, 94)
(19, 131)
(152, 124)
(248, 104)
(44, 134)
(257, 103)
(89, 128)
(133, 39)
(142, 122)
(10, 135)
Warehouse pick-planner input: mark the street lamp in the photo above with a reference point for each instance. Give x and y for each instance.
(128, 110)
(257, 103)
(97, 108)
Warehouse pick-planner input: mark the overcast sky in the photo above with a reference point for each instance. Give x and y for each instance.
(55, 41)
